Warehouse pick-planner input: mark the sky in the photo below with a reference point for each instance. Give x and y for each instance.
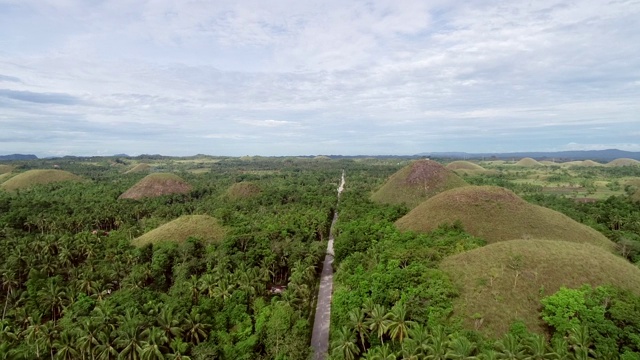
(297, 77)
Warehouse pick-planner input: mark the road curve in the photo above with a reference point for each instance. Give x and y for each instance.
(320, 334)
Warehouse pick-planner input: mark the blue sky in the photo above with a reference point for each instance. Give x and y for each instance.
(254, 77)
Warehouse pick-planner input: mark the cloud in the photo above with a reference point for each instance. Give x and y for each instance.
(9, 78)
(328, 77)
(40, 98)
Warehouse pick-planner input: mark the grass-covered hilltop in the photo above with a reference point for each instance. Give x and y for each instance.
(221, 257)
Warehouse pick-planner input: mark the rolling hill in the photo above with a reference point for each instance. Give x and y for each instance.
(202, 227)
(503, 282)
(157, 184)
(30, 178)
(497, 214)
(416, 182)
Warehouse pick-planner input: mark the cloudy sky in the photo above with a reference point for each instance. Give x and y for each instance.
(296, 77)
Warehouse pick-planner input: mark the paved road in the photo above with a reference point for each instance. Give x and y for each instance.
(320, 335)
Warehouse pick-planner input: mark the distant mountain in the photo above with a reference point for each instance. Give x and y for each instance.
(605, 155)
(18, 157)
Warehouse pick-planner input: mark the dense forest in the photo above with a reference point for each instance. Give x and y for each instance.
(74, 286)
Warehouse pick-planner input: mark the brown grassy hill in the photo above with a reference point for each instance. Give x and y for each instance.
(527, 162)
(497, 214)
(4, 177)
(243, 190)
(464, 165)
(5, 169)
(549, 163)
(624, 162)
(590, 163)
(416, 182)
(139, 168)
(37, 177)
(157, 184)
(203, 227)
(505, 281)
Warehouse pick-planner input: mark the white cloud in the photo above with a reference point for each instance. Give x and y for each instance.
(367, 77)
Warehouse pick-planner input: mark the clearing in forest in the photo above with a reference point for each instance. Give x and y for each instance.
(417, 182)
(139, 168)
(497, 214)
(157, 184)
(503, 282)
(624, 162)
(243, 190)
(203, 227)
(528, 162)
(30, 178)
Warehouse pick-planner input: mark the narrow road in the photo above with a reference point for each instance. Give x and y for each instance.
(320, 335)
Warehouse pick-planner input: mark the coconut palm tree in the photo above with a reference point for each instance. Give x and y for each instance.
(153, 344)
(345, 344)
(398, 325)
(105, 349)
(438, 344)
(65, 346)
(510, 347)
(169, 322)
(357, 322)
(378, 321)
(178, 350)
(461, 348)
(129, 341)
(195, 330)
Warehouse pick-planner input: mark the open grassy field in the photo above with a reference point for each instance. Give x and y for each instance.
(503, 282)
(417, 182)
(497, 214)
(142, 167)
(30, 178)
(624, 162)
(202, 227)
(157, 184)
(5, 169)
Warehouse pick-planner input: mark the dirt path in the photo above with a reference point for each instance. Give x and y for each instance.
(320, 335)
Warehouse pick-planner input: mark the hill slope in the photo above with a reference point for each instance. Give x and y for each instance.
(624, 162)
(157, 184)
(37, 177)
(242, 190)
(202, 227)
(505, 281)
(416, 182)
(5, 169)
(497, 214)
(139, 168)
(527, 162)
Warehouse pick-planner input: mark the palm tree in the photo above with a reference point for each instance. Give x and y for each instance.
(9, 285)
(580, 342)
(382, 353)
(537, 348)
(129, 341)
(65, 346)
(33, 333)
(169, 323)
(461, 348)
(89, 338)
(52, 297)
(207, 284)
(178, 348)
(378, 321)
(357, 323)
(345, 344)
(154, 344)
(398, 326)
(105, 349)
(194, 329)
(510, 347)
(438, 344)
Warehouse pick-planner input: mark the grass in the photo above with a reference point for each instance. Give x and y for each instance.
(5, 169)
(139, 168)
(497, 214)
(157, 184)
(5, 177)
(417, 182)
(635, 196)
(624, 162)
(202, 227)
(30, 178)
(243, 190)
(504, 282)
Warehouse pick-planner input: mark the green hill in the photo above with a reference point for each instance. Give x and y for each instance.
(417, 182)
(202, 227)
(503, 282)
(5, 169)
(30, 178)
(497, 214)
(157, 184)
